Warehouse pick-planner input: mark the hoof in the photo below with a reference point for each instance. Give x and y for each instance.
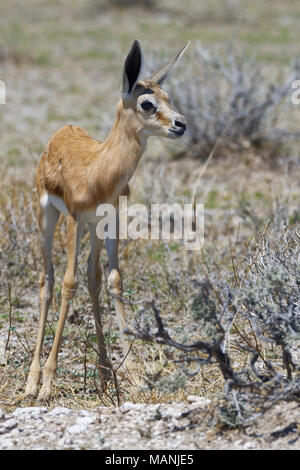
(31, 391)
(45, 394)
(33, 381)
(46, 390)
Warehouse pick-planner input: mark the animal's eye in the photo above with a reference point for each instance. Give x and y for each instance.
(147, 105)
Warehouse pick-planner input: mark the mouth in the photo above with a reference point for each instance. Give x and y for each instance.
(175, 134)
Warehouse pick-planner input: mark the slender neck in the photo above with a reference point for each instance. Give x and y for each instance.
(119, 154)
(124, 141)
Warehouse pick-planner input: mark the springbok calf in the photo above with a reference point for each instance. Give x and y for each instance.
(76, 174)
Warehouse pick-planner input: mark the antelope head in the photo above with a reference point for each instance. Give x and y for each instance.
(148, 104)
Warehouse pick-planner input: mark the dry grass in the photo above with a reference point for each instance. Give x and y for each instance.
(151, 269)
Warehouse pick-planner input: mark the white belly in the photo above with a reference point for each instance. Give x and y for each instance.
(58, 203)
(88, 215)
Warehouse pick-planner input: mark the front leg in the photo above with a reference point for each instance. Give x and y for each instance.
(116, 288)
(94, 283)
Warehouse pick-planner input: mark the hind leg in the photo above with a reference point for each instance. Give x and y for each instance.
(48, 216)
(74, 232)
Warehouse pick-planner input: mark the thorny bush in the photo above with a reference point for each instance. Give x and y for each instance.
(263, 297)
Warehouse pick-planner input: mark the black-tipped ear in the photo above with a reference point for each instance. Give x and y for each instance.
(132, 68)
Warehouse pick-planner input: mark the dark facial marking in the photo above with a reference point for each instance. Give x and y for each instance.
(142, 90)
(164, 120)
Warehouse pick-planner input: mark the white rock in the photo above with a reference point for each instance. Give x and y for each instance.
(86, 420)
(248, 445)
(14, 433)
(152, 407)
(192, 398)
(199, 400)
(85, 413)
(6, 444)
(65, 441)
(59, 410)
(76, 429)
(32, 411)
(128, 405)
(9, 424)
(238, 442)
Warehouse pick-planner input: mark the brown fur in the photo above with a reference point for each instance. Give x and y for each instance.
(85, 172)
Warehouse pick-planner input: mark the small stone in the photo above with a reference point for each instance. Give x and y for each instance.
(65, 441)
(192, 398)
(7, 444)
(32, 411)
(238, 442)
(81, 424)
(152, 407)
(128, 405)
(6, 426)
(200, 401)
(85, 413)
(76, 429)
(14, 433)
(59, 410)
(248, 445)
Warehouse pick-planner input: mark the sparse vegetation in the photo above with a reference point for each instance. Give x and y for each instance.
(230, 99)
(252, 312)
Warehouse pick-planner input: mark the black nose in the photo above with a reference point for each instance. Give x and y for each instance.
(180, 124)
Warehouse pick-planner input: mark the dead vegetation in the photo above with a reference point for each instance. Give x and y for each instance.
(249, 259)
(229, 98)
(252, 312)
